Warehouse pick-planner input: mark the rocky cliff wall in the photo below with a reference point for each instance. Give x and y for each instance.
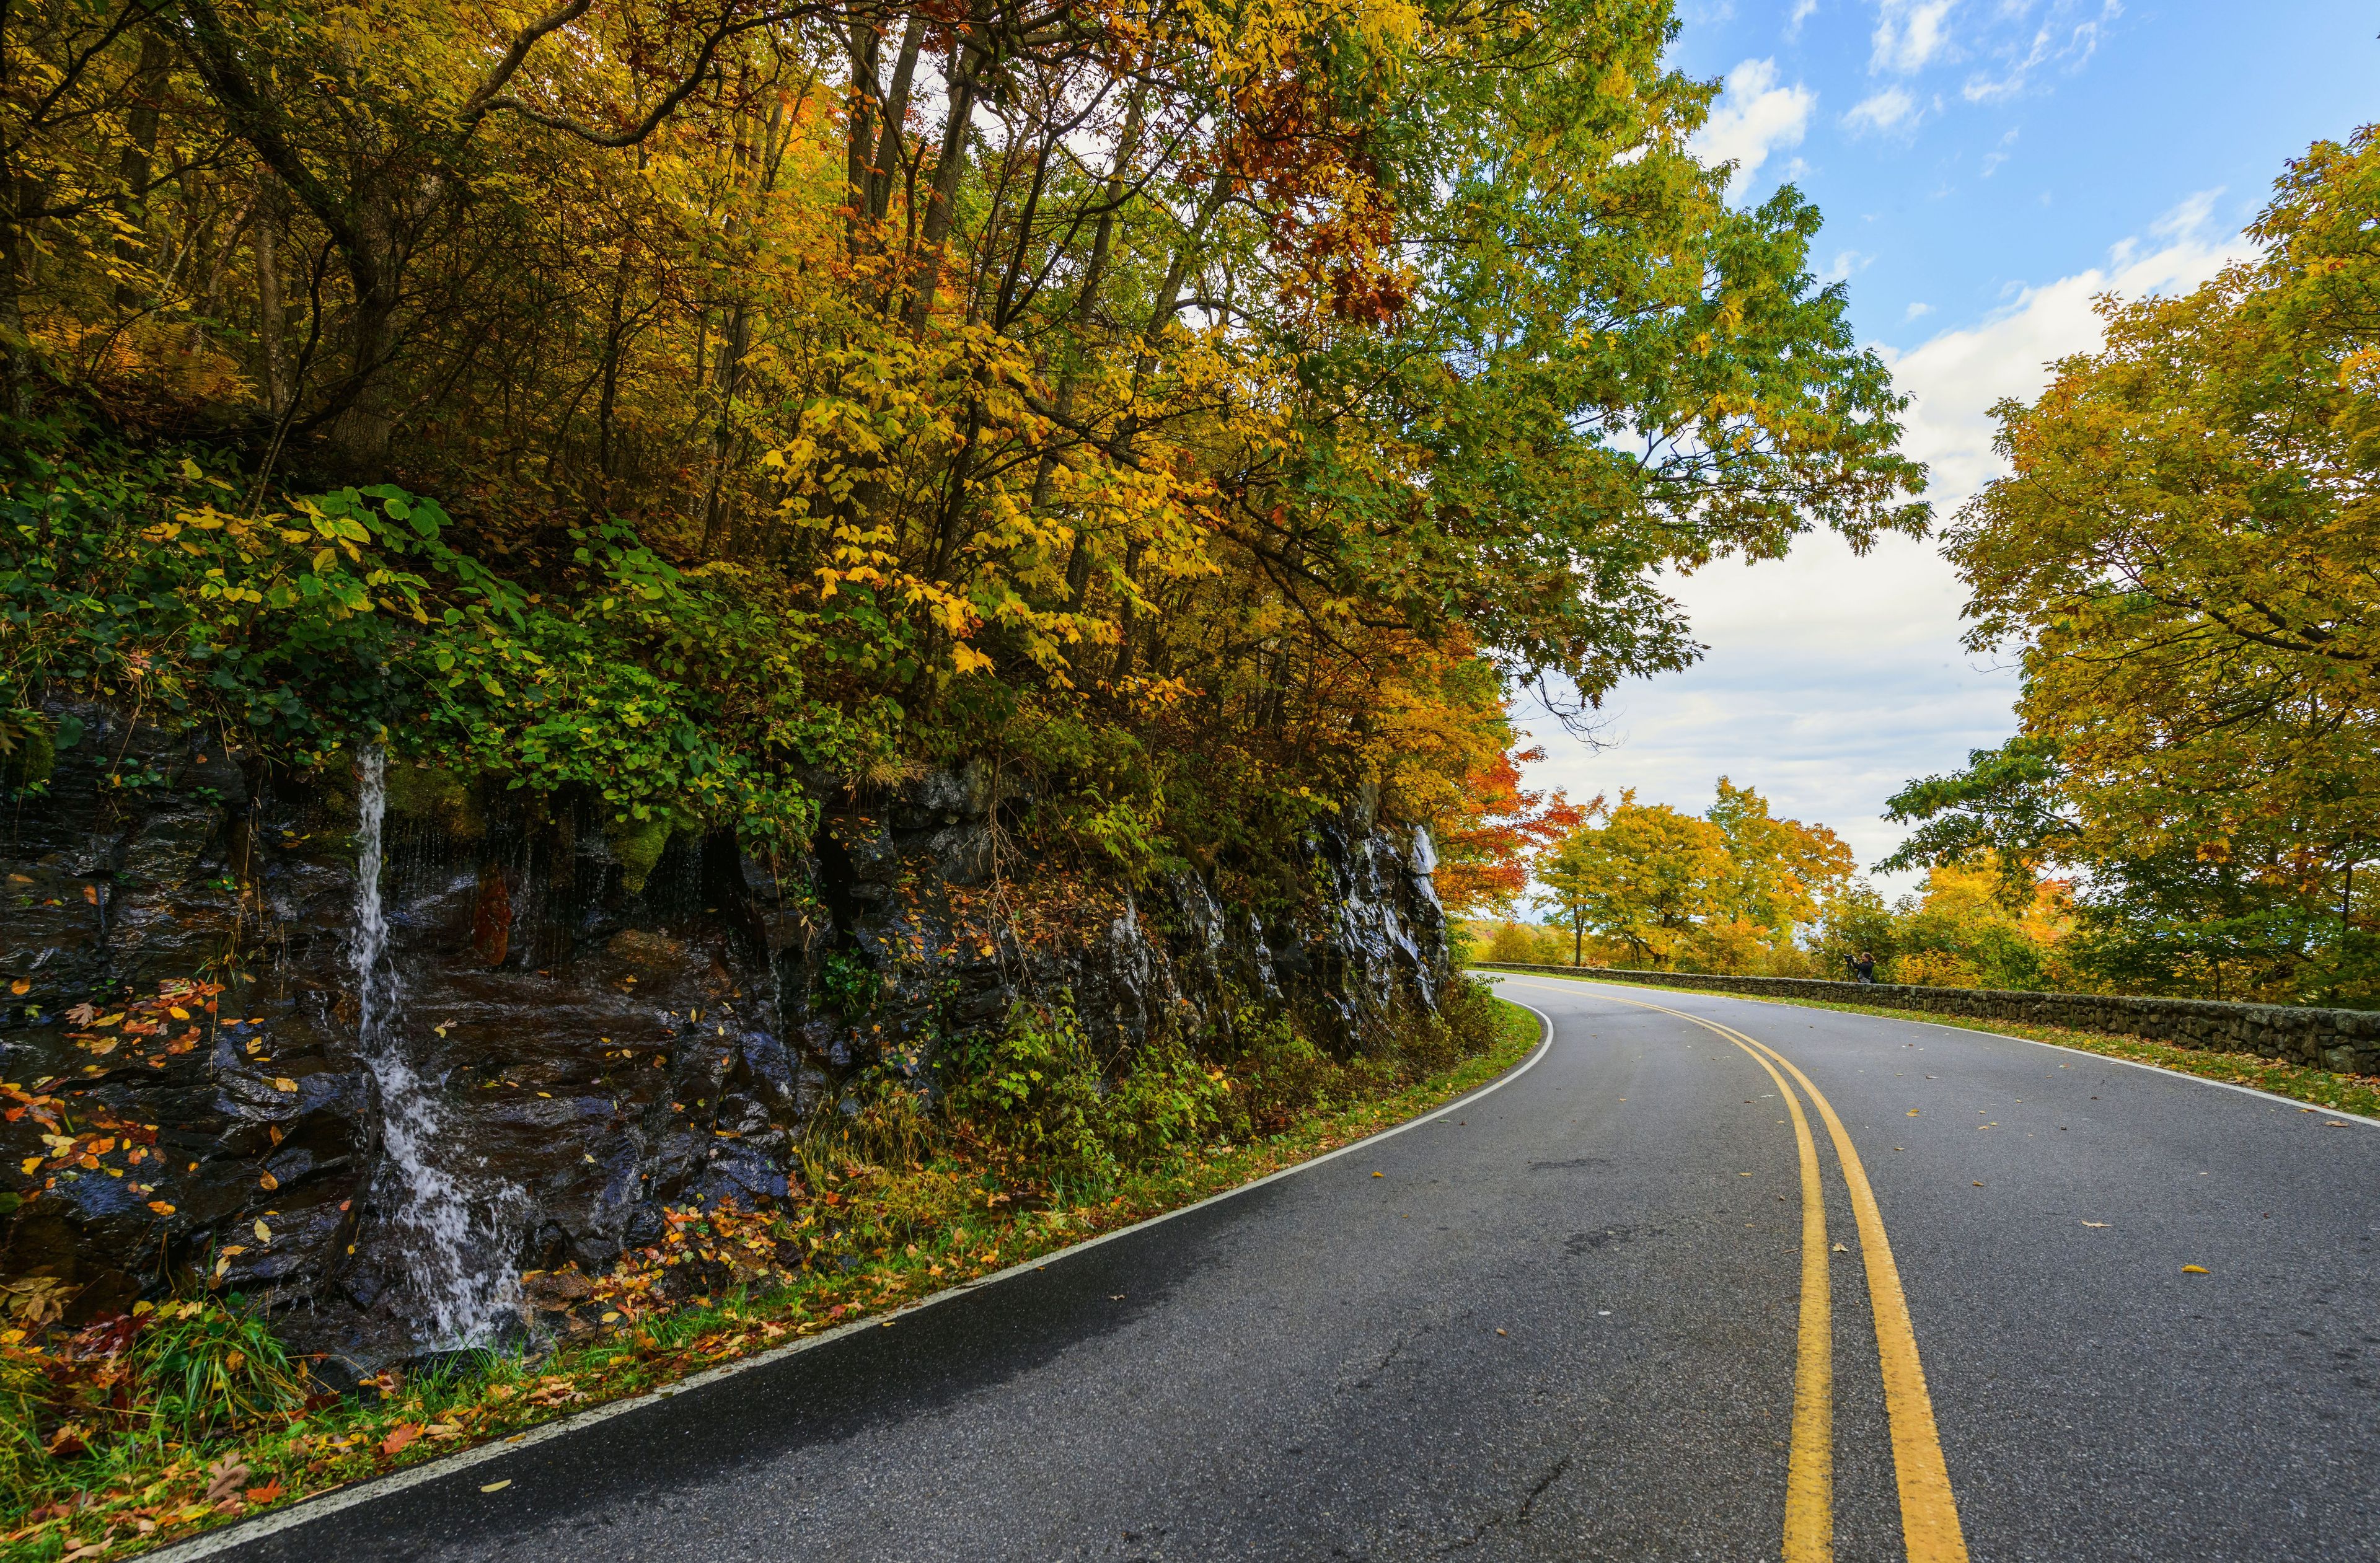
(370, 1099)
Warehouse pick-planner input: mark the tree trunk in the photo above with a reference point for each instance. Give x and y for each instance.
(17, 354)
(1127, 617)
(132, 167)
(864, 46)
(271, 214)
(925, 281)
(611, 344)
(896, 113)
(1078, 557)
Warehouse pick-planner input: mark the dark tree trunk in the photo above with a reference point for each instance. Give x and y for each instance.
(132, 171)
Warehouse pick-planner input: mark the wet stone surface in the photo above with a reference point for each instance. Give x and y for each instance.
(600, 1025)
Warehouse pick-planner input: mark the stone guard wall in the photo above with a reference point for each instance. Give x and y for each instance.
(2345, 1040)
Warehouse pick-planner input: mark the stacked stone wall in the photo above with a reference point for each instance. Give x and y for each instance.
(2345, 1040)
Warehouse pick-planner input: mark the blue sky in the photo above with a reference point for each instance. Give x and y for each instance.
(1985, 167)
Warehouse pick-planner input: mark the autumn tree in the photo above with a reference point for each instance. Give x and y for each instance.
(1485, 857)
(1779, 870)
(1648, 877)
(2184, 554)
(1212, 409)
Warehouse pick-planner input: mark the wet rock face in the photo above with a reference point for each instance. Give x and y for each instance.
(600, 1022)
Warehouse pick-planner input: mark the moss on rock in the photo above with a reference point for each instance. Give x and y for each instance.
(439, 796)
(638, 845)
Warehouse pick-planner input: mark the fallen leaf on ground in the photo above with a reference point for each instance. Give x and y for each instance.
(497, 1486)
(401, 1434)
(224, 1476)
(2194, 1270)
(265, 1494)
(2094, 1223)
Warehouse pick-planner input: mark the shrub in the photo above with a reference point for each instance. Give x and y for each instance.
(1169, 1099)
(1033, 1087)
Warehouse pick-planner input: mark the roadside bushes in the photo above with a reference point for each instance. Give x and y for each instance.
(1035, 1090)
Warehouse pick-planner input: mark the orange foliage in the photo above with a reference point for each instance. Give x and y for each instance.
(1484, 860)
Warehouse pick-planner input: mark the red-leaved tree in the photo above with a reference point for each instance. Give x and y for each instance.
(1484, 860)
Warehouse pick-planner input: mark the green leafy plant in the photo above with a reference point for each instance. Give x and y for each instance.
(848, 985)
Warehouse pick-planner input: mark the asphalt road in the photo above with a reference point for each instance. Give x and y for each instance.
(1565, 1322)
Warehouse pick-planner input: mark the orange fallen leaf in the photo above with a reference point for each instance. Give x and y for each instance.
(401, 1435)
(265, 1494)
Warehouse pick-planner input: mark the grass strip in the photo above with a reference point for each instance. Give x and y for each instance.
(133, 1501)
(2356, 1094)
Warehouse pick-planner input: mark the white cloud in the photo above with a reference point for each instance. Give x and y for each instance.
(1884, 111)
(1846, 265)
(1754, 117)
(1833, 679)
(1958, 374)
(1802, 11)
(1910, 35)
(1999, 154)
(1916, 311)
(2188, 216)
(2060, 38)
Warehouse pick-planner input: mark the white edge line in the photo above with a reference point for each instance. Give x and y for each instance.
(372, 1488)
(2355, 1117)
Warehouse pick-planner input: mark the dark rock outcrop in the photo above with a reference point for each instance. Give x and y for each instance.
(600, 1021)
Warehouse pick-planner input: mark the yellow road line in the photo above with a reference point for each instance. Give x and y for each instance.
(1929, 1511)
(1810, 1474)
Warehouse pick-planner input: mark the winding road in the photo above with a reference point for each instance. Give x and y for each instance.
(1708, 1278)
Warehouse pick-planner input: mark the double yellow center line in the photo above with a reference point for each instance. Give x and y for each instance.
(1929, 1514)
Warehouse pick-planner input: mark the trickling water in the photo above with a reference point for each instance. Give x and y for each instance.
(454, 1246)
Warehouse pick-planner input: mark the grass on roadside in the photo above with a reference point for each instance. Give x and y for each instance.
(944, 1221)
(2358, 1094)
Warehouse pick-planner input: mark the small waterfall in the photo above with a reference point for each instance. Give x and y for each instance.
(454, 1246)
